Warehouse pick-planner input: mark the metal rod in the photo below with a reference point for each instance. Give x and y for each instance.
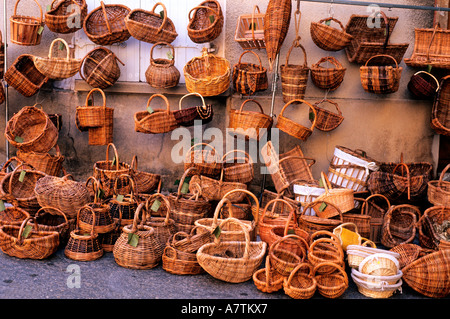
(5, 67)
(384, 5)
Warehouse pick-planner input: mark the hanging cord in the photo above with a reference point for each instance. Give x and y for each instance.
(297, 18)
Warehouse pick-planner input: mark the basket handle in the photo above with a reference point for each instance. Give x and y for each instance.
(136, 218)
(441, 178)
(203, 144)
(320, 233)
(431, 76)
(106, 16)
(14, 172)
(274, 202)
(161, 96)
(89, 208)
(251, 100)
(247, 156)
(335, 20)
(95, 186)
(183, 177)
(295, 44)
(257, 56)
(40, 9)
(22, 227)
(201, 7)
(331, 102)
(255, 199)
(172, 62)
(383, 55)
(193, 93)
(326, 182)
(46, 209)
(50, 53)
(165, 15)
(436, 26)
(116, 155)
(301, 101)
(166, 203)
(386, 22)
(408, 176)
(9, 161)
(298, 241)
(297, 268)
(92, 91)
(334, 265)
(330, 59)
(336, 243)
(245, 230)
(313, 161)
(132, 182)
(292, 216)
(255, 8)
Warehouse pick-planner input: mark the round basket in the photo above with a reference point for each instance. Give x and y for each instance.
(284, 260)
(206, 24)
(379, 264)
(267, 279)
(91, 115)
(357, 253)
(377, 286)
(326, 119)
(102, 224)
(164, 226)
(153, 121)
(105, 24)
(205, 159)
(52, 219)
(240, 169)
(342, 198)
(329, 38)
(331, 285)
(326, 249)
(270, 218)
(300, 284)
(294, 78)
(249, 78)
(146, 182)
(149, 26)
(438, 192)
(26, 30)
(399, 225)
(329, 77)
(431, 227)
(380, 79)
(13, 215)
(123, 207)
(50, 164)
(295, 129)
(162, 73)
(66, 16)
(423, 85)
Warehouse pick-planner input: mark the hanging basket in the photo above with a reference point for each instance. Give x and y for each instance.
(155, 121)
(206, 24)
(327, 37)
(50, 164)
(250, 30)
(249, 78)
(208, 74)
(438, 191)
(91, 115)
(57, 68)
(24, 77)
(240, 169)
(66, 16)
(291, 127)
(249, 124)
(327, 78)
(205, 159)
(423, 85)
(149, 26)
(26, 30)
(294, 77)
(380, 79)
(190, 116)
(105, 25)
(327, 120)
(99, 68)
(440, 114)
(431, 233)
(162, 73)
(399, 225)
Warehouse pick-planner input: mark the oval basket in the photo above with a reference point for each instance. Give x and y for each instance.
(66, 16)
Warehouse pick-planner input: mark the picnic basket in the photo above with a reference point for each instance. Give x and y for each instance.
(438, 191)
(49, 163)
(208, 74)
(431, 227)
(293, 128)
(38, 244)
(250, 30)
(105, 25)
(294, 77)
(300, 284)
(205, 159)
(149, 26)
(156, 121)
(24, 77)
(26, 30)
(399, 225)
(240, 169)
(91, 115)
(13, 215)
(440, 115)
(162, 73)
(423, 85)
(146, 182)
(249, 124)
(327, 73)
(329, 38)
(206, 24)
(248, 77)
(267, 279)
(232, 261)
(327, 120)
(66, 16)
(331, 285)
(380, 79)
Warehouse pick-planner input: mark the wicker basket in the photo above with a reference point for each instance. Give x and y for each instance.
(269, 218)
(380, 79)
(39, 244)
(208, 74)
(91, 115)
(57, 68)
(423, 85)
(430, 48)
(191, 242)
(438, 191)
(408, 253)
(429, 226)
(327, 37)
(13, 215)
(249, 124)
(440, 115)
(342, 198)
(162, 73)
(26, 30)
(122, 208)
(360, 218)
(291, 127)
(206, 24)
(250, 30)
(52, 219)
(249, 78)
(180, 263)
(285, 260)
(99, 68)
(149, 26)
(294, 77)
(399, 225)
(240, 169)
(146, 182)
(66, 16)
(327, 120)
(232, 261)
(2, 56)
(306, 191)
(205, 159)
(155, 121)
(357, 253)
(164, 226)
(194, 115)
(24, 77)
(267, 279)
(300, 285)
(325, 247)
(381, 287)
(331, 285)
(330, 76)
(105, 24)
(102, 224)
(376, 211)
(50, 164)
(312, 223)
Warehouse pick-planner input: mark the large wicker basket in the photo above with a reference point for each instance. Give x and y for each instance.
(294, 77)
(157, 121)
(49, 163)
(249, 78)
(432, 227)
(26, 30)
(91, 115)
(206, 24)
(66, 16)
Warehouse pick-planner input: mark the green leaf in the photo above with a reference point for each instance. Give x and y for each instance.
(61, 46)
(119, 198)
(133, 239)
(322, 207)
(150, 110)
(328, 22)
(161, 14)
(49, 7)
(184, 188)
(170, 55)
(39, 31)
(100, 193)
(193, 141)
(156, 205)
(2, 206)
(217, 231)
(18, 139)
(114, 161)
(429, 67)
(26, 231)
(311, 116)
(212, 18)
(321, 183)
(22, 176)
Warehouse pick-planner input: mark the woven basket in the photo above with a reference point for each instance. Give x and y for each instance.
(24, 77)
(102, 224)
(52, 219)
(327, 120)
(206, 24)
(149, 26)
(312, 223)
(146, 182)
(423, 85)
(440, 115)
(57, 68)
(191, 242)
(300, 285)
(232, 261)
(438, 191)
(291, 127)
(294, 77)
(269, 218)
(379, 264)
(330, 76)
(250, 30)
(249, 78)
(357, 253)
(26, 30)
(2, 56)
(205, 161)
(380, 79)
(360, 218)
(276, 26)
(341, 198)
(39, 244)
(369, 40)
(122, 208)
(105, 24)
(381, 287)
(99, 68)
(267, 279)
(327, 37)
(285, 260)
(399, 225)
(408, 253)
(249, 124)
(50, 164)
(164, 226)
(208, 74)
(66, 16)
(194, 115)
(13, 215)
(7, 165)
(162, 73)
(155, 121)
(348, 234)
(62, 193)
(306, 191)
(430, 48)
(240, 169)
(91, 115)
(331, 285)
(325, 247)
(430, 236)
(180, 263)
